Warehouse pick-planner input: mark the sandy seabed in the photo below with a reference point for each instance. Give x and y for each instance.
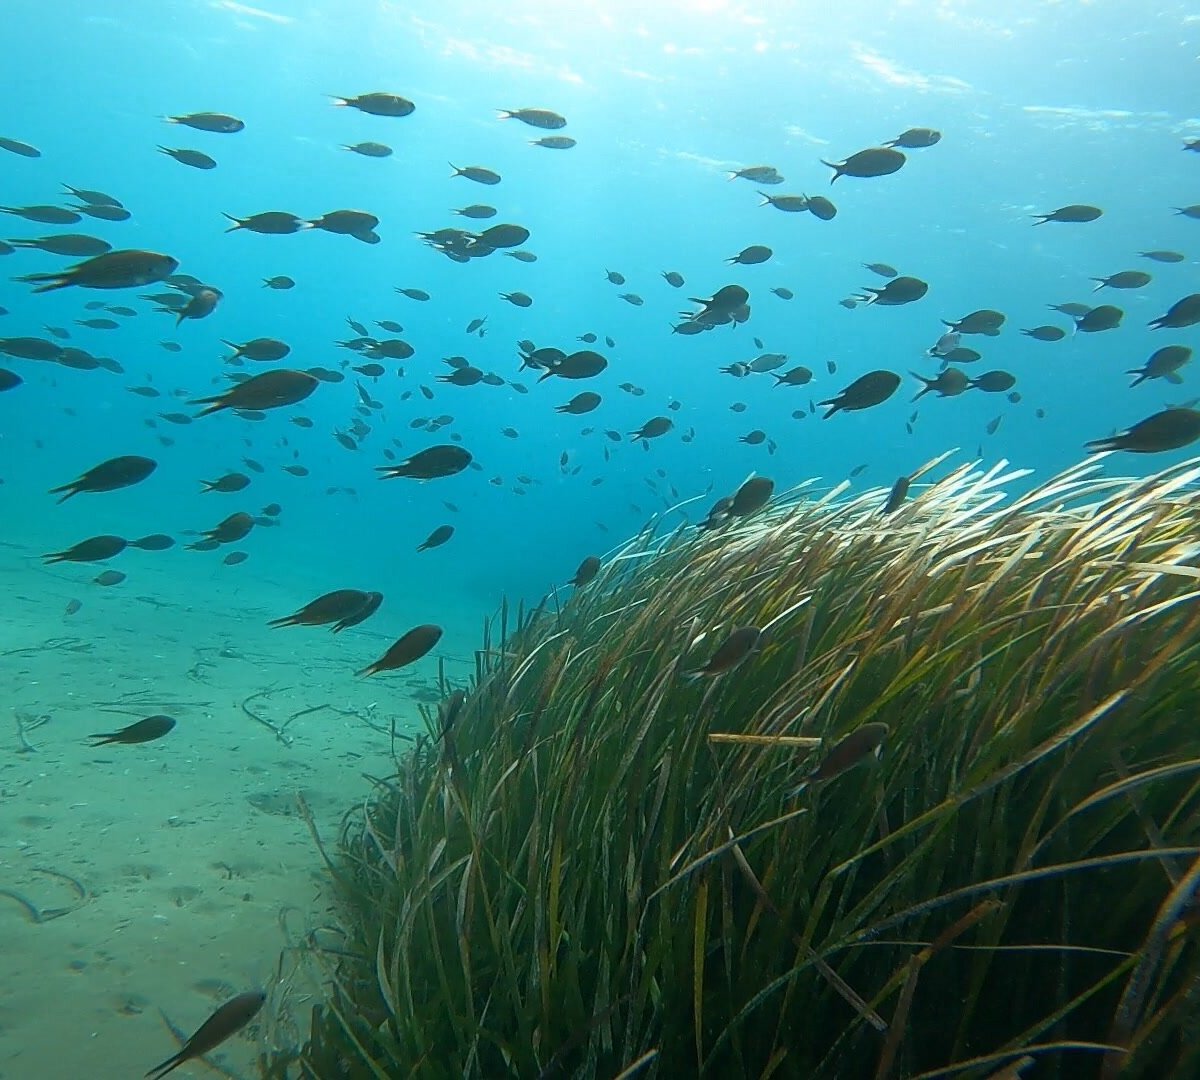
(153, 880)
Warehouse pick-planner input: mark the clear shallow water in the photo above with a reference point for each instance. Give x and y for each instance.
(1040, 105)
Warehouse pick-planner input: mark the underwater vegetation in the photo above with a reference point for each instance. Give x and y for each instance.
(934, 812)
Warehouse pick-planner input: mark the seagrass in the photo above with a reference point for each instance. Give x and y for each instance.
(597, 870)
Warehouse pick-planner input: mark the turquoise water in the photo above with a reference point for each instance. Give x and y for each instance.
(1040, 105)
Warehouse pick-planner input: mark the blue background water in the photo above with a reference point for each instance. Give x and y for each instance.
(1041, 104)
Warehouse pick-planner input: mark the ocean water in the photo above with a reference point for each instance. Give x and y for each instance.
(1039, 105)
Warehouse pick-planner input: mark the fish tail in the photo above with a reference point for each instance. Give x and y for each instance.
(287, 620)
(1097, 446)
(105, 737)
(172, 1063)
(367, 672)
(70, 490)
(55, 557)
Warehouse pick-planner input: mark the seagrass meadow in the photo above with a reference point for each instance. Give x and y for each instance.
(598, 867)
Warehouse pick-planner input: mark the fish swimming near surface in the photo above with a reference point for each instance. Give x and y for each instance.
(228, 1020)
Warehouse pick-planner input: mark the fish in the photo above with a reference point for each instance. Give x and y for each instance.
(152, 727)
(585, 572)
(405, 650)
(110, 475)
(751, 497)
(477, 173)
(848, 752)
(109, 577)
(228, 483)
(580, 404)
(729, 654)
(332, 607)
(218, 123)
(897, 495)
(916, 138)
(94, 549)
(437, 538)
(1076, 212)
(192, 158)
(125, 269)
(261, 350)
(429, 464)
(268, 223)
(752, 256)
(653, 428)
(1185, 312)
(538, 118)
(369, 149)
(1046, 333)
(227, 1021)
(153, 542)
(1163, 364)
(876, 161)
(22, 149)
(377, 103)
(1126, 279)
(75, 244)
(270, 390)
(280, 283)
(1166, 430)
(1105, 317)
(227, 531)
(866, 391)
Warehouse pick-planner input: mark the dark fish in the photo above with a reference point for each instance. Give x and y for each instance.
(429, 464)
(193, 158)
(897, 495)
(98, 324)
(1126, 279)
(229, 1019)
(1046, 333)
(578, 365)
(258, 349)
(436, 538)
(1166, 430)
(219, 123)
(1185, 312)
(949, 383)
(538, 118)
(356, 223)
(9, 380)
(411, 647)
(113, 270)
(109, 475)
(882, 269)
(153, 727)
(901, 290)
(586, 572)
(731, 652)
(752, 496)
(848, 752)
(1163, 364)
(235, 557)
(1074, 310)
(653, 428)
(75, 244)
(821, 208)
(789, 204)
(782, 293)
(377, 104)
(329, 608)
(281, 283)
(1076, 212)
(418, 294)
(476, 211)
(752, 256)
(916, 138)
(268, 223)
(673, 278)
(753, 438)
(104, 213)
(877, 161)
(994, 382)
(758, 174)
(228, 531)
(230, 482)
(1192, 211)
(1163, 256)
(985, 321)
(871, 389)
(1105, 317)
(200, 306)
(109, 577)
(153, 542)
(23, 149)
(30, 348)
(94, 549)
(580, 404)
(554, 142)
(270, 390)
(73, 607)
(46, 215)
(369, 149)
(518, 299)
(477, 173)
